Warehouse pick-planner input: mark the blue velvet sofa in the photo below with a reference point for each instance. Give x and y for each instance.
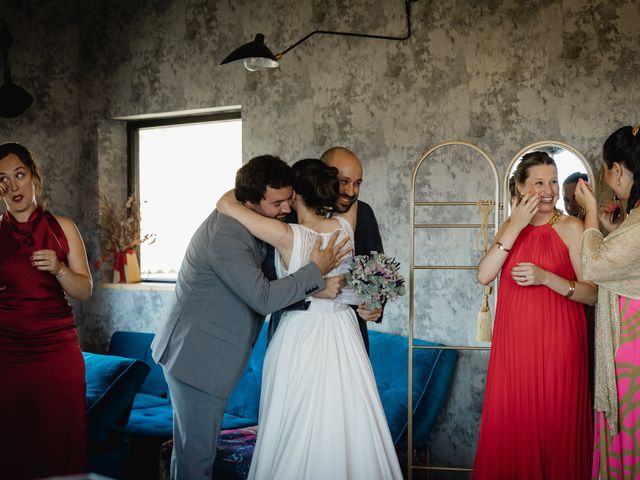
(112, 383)
(150, 421)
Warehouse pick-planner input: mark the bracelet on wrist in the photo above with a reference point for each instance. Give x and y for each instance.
(502, 247)
(572, 289)
(61, 272)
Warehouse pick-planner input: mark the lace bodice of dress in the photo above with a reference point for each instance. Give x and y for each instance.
(303, 241)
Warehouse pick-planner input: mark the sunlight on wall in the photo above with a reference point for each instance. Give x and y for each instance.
(184, 169)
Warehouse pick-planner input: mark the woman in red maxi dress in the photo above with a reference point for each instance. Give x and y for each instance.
(536, 420)
(42, 257)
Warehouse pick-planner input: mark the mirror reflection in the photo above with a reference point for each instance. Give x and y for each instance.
(571, 164)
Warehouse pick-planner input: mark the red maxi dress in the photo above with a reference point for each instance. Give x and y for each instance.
(42, 384)
(536, 421)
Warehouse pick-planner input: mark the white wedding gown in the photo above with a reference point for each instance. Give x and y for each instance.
(320, 413)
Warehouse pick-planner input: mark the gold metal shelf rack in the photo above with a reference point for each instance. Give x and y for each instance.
(413, 267)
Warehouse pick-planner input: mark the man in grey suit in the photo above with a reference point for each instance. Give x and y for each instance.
(222, 297)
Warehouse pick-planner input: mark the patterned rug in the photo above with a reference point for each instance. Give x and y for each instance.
(235, 449)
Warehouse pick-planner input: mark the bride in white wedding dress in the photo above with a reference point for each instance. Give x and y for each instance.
(320, 413)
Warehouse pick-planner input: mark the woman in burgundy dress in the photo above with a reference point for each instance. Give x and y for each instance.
(42, 258)
(536, 419)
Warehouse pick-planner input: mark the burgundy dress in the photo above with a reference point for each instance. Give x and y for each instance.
(42, 385)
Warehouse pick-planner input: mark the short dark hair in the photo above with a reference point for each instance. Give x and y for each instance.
(574, 177)
(253, 178)
(25, 157)
(316, 183)
(623, 147)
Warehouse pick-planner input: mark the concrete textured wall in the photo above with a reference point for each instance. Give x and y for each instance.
(499, 75)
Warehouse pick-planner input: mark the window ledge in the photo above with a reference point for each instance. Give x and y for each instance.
(153, 286)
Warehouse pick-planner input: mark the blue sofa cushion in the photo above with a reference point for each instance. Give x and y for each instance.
(432, 373)
(232, 422)
(138, 345)
(144, 400)
(242, 405)
(151, 423)
(112, 383)
(151, 418)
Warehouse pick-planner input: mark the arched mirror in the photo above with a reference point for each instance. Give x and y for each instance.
(569, 162)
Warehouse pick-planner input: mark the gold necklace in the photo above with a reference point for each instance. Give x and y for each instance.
(557, 214)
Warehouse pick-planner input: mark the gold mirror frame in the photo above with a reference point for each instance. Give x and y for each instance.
(532, 147)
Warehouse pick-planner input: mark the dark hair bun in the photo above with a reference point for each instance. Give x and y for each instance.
(316, 183)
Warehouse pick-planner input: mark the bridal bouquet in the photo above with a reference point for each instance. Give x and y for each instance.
(375, 279)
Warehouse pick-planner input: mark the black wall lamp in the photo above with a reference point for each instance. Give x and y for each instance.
(13, 99)
(257, 56)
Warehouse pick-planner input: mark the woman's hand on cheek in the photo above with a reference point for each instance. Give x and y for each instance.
(524, 210)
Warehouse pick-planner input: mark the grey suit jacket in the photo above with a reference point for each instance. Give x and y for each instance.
(221, 299)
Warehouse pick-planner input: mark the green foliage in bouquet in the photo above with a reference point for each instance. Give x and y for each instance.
(375, 278)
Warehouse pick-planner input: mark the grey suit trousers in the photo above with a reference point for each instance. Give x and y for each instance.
(197, 417)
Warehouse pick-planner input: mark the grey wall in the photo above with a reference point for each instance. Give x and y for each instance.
(497, 74)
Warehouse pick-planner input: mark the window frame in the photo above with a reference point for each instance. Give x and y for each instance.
(133, 171)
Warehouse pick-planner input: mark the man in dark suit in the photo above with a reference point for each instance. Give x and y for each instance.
(221, 299)
(367, 233)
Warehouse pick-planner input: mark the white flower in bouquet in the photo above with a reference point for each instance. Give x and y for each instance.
(375, 278)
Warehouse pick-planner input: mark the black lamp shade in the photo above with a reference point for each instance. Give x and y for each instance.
(255, 55)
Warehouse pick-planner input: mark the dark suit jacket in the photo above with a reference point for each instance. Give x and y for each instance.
(367, 239)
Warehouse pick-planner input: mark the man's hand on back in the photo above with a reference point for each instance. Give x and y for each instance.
(332, 255)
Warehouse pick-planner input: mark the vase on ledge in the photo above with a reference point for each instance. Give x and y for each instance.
(126, 268)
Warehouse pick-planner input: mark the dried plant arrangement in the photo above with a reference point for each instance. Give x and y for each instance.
(119, 228)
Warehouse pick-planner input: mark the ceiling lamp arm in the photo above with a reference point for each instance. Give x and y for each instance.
(407, 5)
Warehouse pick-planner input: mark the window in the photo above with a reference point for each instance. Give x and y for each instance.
(179, 167)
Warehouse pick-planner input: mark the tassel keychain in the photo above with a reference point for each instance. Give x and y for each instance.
(484, 328)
